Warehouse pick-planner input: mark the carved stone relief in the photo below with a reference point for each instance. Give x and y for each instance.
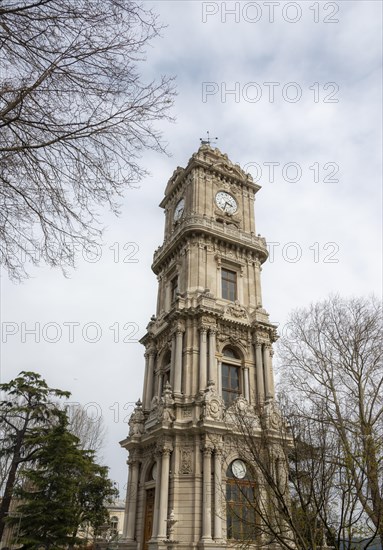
(212, 404)
(186, 465)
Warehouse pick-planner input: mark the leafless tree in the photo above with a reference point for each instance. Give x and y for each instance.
(331, 362)
(75, 116)
(263, 447)
(316, 454)
(302, 496)
(90, 431)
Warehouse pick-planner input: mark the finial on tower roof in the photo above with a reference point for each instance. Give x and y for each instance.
(209, 140)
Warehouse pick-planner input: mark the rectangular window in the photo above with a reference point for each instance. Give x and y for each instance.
(240, 510)
(174, 288)
(230, 383)
(229, 284)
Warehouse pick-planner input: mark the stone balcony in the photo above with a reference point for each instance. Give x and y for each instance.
(216, 229)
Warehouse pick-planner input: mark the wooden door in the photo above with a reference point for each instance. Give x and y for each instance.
(149, 514)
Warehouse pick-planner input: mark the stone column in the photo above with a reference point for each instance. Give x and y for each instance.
(178, 362)
(269, 382)
(246, 382)
(149, 380)
(212, 360)
(172, 361)
(131, 500)
(164, 493)
(160, 377)
(157, 496)
(259, 373)
(202, 359)
(258, 290)
(219, 381)
(271, 370)
(146, 375)
(159, 295)
(217, 494)
(206, 495)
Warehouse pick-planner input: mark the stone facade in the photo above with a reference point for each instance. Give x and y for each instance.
(208, 359)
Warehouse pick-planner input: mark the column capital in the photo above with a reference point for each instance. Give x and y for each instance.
(150, 352)
(207, 450)
(167, 451)
(177, 328)
(164, 447)
(260, 340)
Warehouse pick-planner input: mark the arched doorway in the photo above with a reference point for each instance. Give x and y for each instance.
(149, 516)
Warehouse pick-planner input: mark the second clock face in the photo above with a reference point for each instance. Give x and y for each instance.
(226, 202)
(179, 210)
(238, 468)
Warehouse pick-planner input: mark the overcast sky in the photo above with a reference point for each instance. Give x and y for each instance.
(294, 96)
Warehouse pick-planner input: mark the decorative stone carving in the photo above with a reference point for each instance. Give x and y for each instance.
(165, 409)
(186, 466)
(273, 417)
(162, 408)
(136, 421)
(214, 441)
(236, 310)
(187, 412)
(212, 403)
(170, 522)
(241, 413)
(164, 445)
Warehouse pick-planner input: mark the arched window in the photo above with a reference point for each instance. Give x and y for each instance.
(228, 352)
(231, 376)
(241, 516)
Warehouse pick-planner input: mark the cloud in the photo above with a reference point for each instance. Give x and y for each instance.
(312, 214)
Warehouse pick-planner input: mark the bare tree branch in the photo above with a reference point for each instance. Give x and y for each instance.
(332, 363)
(75, 117)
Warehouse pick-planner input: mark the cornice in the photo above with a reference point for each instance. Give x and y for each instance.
(200, 225)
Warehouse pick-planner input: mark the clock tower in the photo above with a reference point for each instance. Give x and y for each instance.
(208, 367)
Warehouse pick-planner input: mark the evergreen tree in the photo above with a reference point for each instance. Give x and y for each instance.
(63, 490)
(29, 406)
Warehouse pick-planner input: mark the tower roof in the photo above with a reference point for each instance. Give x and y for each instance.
(210, 158)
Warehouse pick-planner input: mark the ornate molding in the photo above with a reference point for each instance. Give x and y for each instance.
(237, 311)
(186, 460)
(212, 404)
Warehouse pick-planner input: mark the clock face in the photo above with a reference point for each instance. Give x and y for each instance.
(226, 202)
(179, 210)
(238, 468)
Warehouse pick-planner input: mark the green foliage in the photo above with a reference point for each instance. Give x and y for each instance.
(29, 408)
(57, 485)
(64, 489)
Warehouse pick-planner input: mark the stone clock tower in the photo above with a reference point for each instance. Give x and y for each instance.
(208, 364)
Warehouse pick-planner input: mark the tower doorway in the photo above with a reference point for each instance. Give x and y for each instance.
(149, 514)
